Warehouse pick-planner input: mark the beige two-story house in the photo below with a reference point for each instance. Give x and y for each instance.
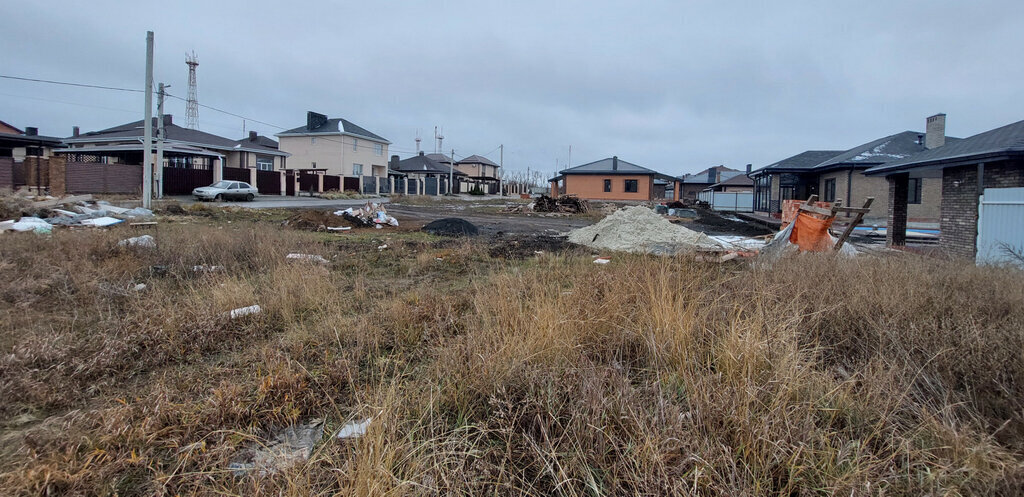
(336, 146)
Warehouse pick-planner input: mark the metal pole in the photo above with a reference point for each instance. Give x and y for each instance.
(147, 141)
(160, 135)
(501, 165)
(451, 171)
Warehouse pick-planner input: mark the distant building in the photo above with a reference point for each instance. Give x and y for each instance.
(609, 179)
(336, 146)
(480, 172)
(693, 184)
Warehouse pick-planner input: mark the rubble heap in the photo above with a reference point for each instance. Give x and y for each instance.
(639, 230)
(564, 203)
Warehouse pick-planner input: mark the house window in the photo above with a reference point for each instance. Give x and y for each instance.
(607, 185)
(830, 190)
(378, 149)
(264, 163)
(355, 144)
(630, 186)
(357, 169)
(914, 191)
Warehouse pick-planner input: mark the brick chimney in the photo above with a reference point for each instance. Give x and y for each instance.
(253, 136)
(168, 120)
(31, 131)
(935, 131)
(712, 175)
(615, 163)
(749, 167)
(75, 131)
(393, 164)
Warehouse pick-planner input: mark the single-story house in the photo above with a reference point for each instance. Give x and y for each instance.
(741, 183)
(965, 168)
(609, 179)
(431, 176)
(19, 144)
(841, 177)
(693, 184)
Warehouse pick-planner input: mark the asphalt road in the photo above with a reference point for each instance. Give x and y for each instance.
(284, 202)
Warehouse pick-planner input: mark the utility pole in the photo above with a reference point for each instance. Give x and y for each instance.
(567, 163)
(451, 172)
(160, 135)
(147, 134)
(501, 166)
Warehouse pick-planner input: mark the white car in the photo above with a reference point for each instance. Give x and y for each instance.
(226, 190)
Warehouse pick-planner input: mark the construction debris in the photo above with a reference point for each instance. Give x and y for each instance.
(369, 215)
(41, 217)
(564, 203)
(638, 229)
(144, 241)
(354, 429)
(286, 448)
(451, 226)
(245, 311)
(308, 258)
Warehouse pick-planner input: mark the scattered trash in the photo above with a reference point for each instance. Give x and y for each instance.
(139, 287)
(451, 226)
(144, 241)
(286, 448)
(338, 228)
(158, 270)
(661, 209)
(101, 221)
(382, 247)
(354, 429)
(638, 229)
(308, 257)
(602, 260)
(203, 268)
(564, 203)
(34, 224)
(245, 311)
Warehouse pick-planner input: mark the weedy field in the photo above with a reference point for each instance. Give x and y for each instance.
(544, 375)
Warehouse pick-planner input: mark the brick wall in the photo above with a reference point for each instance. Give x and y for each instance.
(896, 202)
(959, 223)
(6, 173)
(591, 186)
(103, 178)
(58, 176)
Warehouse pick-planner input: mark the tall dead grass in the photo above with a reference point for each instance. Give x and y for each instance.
(550, 376)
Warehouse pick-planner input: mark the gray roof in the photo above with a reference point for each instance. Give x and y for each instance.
(701, 177)
(477, 159)
(610, 166)
(880, 151)
(424, 164)
(804, 161)
(30, 139)
(1004, 141)
(134, 129)
(263, 141)
(738, 180)
(444, 159)
(334, 126)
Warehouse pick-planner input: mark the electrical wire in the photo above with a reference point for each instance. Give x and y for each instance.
(65, 83)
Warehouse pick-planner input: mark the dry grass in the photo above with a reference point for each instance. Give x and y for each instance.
(549, 376)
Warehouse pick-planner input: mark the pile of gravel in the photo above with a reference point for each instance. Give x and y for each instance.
(451, 226)
(641, 231)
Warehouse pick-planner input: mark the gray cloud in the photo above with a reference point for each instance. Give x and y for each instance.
(675, 86)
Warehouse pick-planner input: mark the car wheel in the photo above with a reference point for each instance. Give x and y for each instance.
(249, 197)
(219, 198)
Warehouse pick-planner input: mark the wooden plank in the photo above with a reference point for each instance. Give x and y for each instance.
(851, 210)
(817, 210)
(853, 224)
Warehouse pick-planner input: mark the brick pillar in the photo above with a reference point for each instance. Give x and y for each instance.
(554, 189)
(360, 184)
(676, 191)
(376, 182)
(320, 183)
(58, 175)
(896, 231)
(282, 177)
(252, 177)
(218, 170)
(391, 184)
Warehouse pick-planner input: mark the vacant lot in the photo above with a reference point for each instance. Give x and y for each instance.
(536, 374)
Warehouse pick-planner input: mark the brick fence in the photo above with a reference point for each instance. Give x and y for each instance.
(959, 224)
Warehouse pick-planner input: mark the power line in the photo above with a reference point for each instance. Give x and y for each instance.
(65, 83)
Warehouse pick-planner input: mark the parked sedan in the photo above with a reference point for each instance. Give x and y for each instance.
(226, 190)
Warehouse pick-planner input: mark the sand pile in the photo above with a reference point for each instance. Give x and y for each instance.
(640, 230)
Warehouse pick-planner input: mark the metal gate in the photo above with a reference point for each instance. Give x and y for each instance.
(350, 184)
(181, 181)
(268, 182)
(1001, 226)
(430, 186)
(236, 174)
(289, 183)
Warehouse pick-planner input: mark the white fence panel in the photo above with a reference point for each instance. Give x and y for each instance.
(728, 201)
(1000, 226)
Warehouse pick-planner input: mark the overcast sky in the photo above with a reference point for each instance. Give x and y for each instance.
(674, 86)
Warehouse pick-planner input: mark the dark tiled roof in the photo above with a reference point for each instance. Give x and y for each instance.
(444, 159)
(802, 161)
(605, 166)
(1005, 140)
(880, 151)
(335, 125)
(30, 140)
(701, 177)
(174, 132)
(738, 180)
(424, 164)
(263, 141)
(476, 159)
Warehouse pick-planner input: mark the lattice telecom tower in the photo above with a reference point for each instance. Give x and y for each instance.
(192, 104)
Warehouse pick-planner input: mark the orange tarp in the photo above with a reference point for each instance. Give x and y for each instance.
(790, 208)
(811, 233)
